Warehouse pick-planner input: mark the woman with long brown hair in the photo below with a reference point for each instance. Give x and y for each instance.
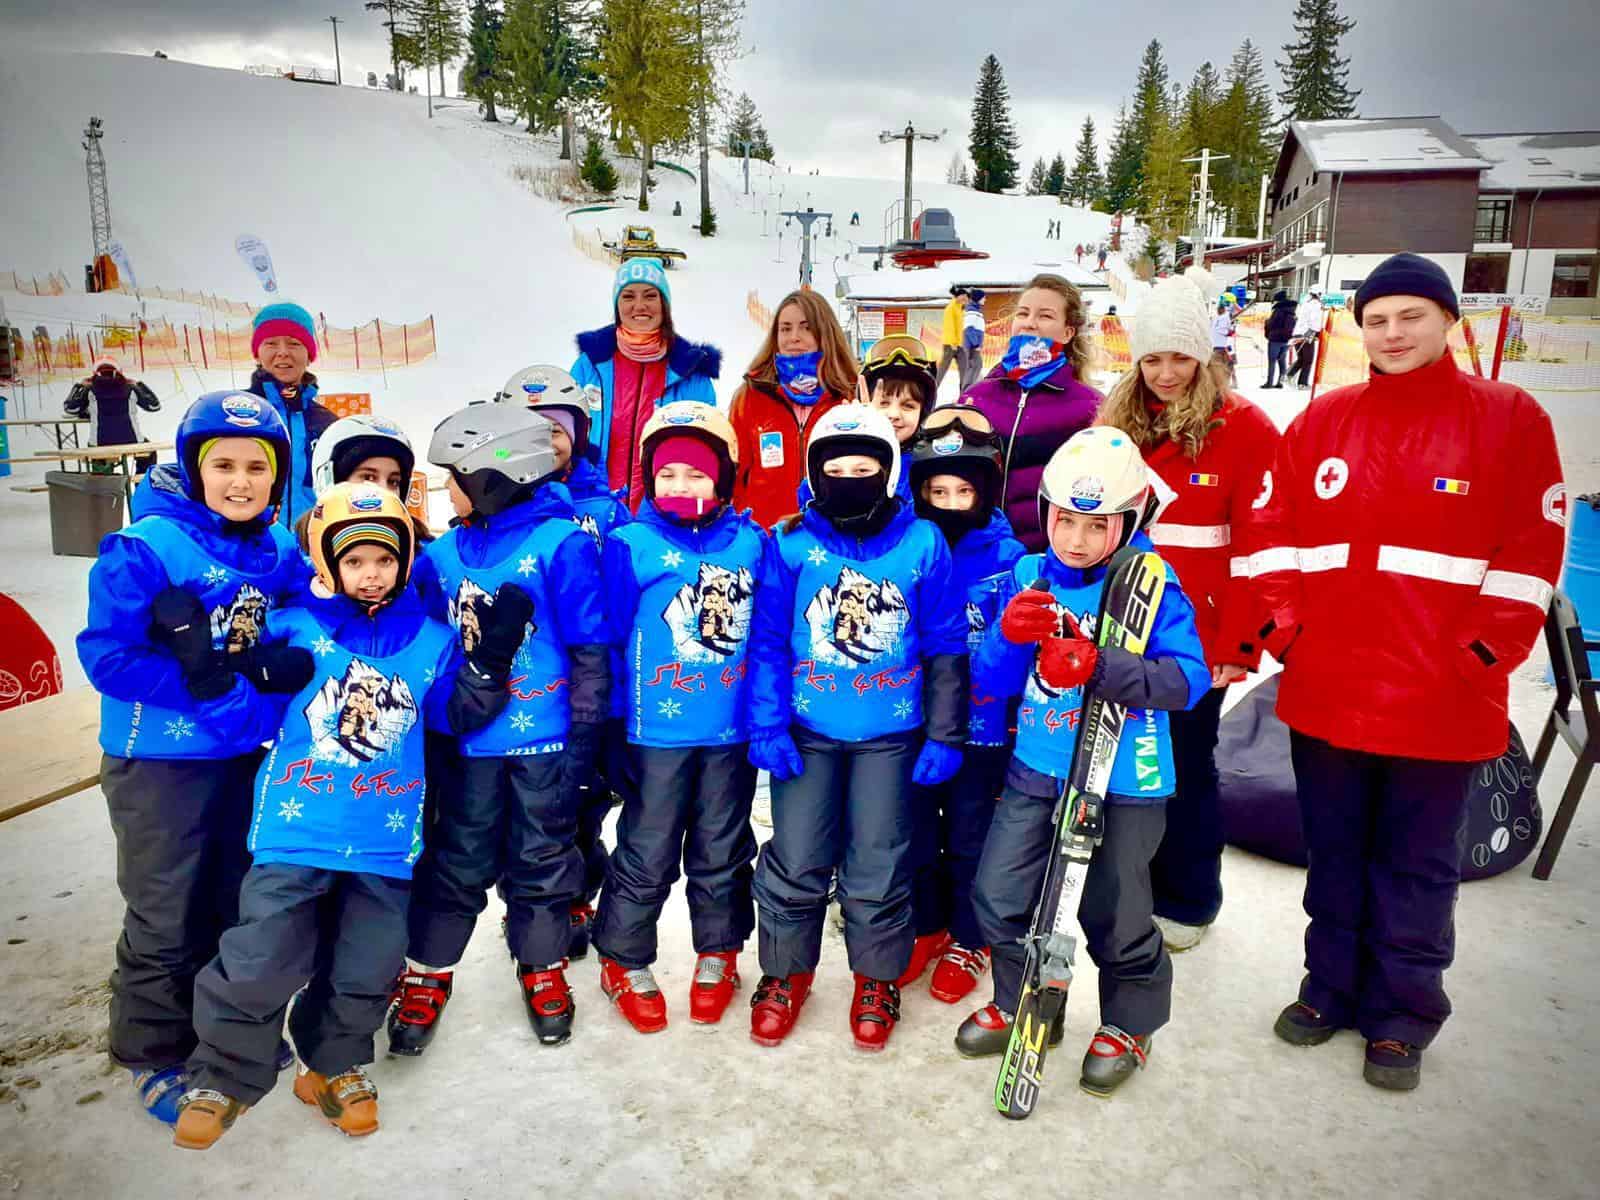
(1036, 396)
(803, 369)
(1211, 448)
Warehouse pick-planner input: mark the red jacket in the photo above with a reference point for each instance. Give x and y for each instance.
(636, 389)
(1203, 532)
(1411, 530)
(772, 461)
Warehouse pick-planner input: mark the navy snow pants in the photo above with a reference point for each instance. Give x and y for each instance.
(614, 775)
(1186, 873)
(1277, 363)
(512, 820)
(340, 933)
(1114, 910)
(848, 816)
(693, 807)
(1384, 838)
(951, 820)
(181, 827)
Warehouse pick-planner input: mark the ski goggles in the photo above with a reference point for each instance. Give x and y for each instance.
(969, 423)
(899, 350)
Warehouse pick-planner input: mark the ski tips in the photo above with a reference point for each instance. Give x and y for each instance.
(1040, 584)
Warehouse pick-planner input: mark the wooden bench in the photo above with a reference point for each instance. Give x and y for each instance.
(32, 489)
(52, 749)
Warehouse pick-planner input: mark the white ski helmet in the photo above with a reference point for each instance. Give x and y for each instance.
(349, 441)
(854, 429)
(552, 390)
(497, 452)
(1099, 473)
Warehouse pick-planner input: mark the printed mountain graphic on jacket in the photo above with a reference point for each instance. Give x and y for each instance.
(466, 611)
(856, 620)
(360, 718)
(710, 618)
(237, 625)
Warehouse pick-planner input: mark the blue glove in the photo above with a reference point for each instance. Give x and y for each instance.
(935, 764)
(776, 753)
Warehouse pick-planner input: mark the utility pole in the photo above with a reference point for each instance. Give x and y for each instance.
(1261, 209)
(338, 71)
(808, 218)
(910, 136)
(745, 147)
(99, 194)
(1205, 159)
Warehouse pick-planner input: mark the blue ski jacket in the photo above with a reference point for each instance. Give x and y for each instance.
(981, 567)
(680, 601)
(1172, 672)
(238, 571)
(599, 509)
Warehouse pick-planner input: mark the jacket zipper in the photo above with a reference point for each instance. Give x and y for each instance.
(633, 438)
(1005, 475)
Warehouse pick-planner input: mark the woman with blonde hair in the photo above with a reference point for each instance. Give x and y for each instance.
(1036, 397)
(1211, 447)
(804, 368)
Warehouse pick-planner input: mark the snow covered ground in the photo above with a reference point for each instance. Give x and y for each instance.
(370, 210)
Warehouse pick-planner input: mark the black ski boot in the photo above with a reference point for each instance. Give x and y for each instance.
(1301, 1025)
(1112, 1056)
(549, 1002)
(1393, 1065)
(581, 920)
(419, 1000)
(987, 1032)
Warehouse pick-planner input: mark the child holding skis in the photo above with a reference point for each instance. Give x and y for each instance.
(516, 579)
(554, 394)
(858, 689)
(177, 604)
(1095, 497)
(955, 477)
(681, 583)
(337, 826)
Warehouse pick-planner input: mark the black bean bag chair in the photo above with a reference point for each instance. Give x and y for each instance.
(1261, 814)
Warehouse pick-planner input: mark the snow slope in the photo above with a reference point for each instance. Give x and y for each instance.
(371, 210)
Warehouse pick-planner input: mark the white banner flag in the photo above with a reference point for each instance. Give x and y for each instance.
(256, 256)
(119, 255)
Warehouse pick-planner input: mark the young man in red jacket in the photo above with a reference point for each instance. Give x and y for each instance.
(1408, 537)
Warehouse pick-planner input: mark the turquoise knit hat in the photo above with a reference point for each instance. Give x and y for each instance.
(284, 319)
(651, 271)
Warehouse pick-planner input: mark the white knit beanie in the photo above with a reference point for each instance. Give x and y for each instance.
(1176, 317)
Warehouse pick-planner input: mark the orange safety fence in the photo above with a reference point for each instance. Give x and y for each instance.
(216, 304)
(53, 284)
(760, 315)
(377, 345)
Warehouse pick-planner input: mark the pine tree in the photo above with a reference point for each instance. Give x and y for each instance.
(1200, 109)
(742, 124)
(1122, 165)
(485, 69)
(993, 140)
(1149, 104)
(1243, 129)
(762, 148)
(1036, 178)
(434, 26)
(1083, 185)
(1055, 179)
(716, 36)
(1316, 81)
(391, 23)
(1164, 183)
(649, 66)
(539, 57)
(956, 170)
(595, 170)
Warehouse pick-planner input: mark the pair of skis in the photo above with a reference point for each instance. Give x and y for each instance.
(1134, 584)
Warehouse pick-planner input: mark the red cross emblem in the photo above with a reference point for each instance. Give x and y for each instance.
(1332, 474)
(1555, 504)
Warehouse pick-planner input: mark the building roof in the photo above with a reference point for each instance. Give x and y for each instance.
(1384, 144)
(934, 284)
(1529, 161)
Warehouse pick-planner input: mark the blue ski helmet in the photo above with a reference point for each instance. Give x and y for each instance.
(231, 414)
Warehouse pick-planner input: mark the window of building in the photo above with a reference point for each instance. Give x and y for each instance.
(1494, 219)
(1486, 272)
(1574, 276)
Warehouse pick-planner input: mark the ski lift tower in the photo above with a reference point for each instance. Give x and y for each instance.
(807, 219)
(910, 137)
(99, 199)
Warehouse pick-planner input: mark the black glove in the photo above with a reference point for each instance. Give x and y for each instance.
(178, 622)
(278, 668)
(501, 629)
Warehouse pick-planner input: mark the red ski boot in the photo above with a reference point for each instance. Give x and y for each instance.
(414, 1011)
(958, 973)
(716, 978)
(776, 1007)
(635, 994)
(874, 1013)
(549, 1002)
(923, 951)
(581, 920)
(1113, 1056)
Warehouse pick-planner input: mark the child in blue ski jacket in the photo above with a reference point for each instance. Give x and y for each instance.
(955, 476)
(337, 826)
(858, 689)
(1096, 497)
(518, 580)
(681, 584)
(177, 604)
(551, 392)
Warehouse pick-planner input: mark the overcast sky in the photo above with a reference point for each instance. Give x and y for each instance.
(829, 75)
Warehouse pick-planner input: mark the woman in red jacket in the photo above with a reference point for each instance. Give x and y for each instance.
(1210, 446)
(803, 369)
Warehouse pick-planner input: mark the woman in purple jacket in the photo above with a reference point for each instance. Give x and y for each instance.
(1035, 397)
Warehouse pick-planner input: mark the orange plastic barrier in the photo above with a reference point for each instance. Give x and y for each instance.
(346, 404)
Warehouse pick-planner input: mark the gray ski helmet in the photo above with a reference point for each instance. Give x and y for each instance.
(546, 387)
(498, 453)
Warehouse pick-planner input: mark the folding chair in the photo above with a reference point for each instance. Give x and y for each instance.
(1574, 679)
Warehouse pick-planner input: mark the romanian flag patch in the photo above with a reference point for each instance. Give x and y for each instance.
(1455, 487)
(1197, 479)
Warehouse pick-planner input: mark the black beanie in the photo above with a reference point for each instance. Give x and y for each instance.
(1408, 275)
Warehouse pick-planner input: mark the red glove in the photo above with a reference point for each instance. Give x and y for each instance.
(1030, 617)
(1067, 662)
